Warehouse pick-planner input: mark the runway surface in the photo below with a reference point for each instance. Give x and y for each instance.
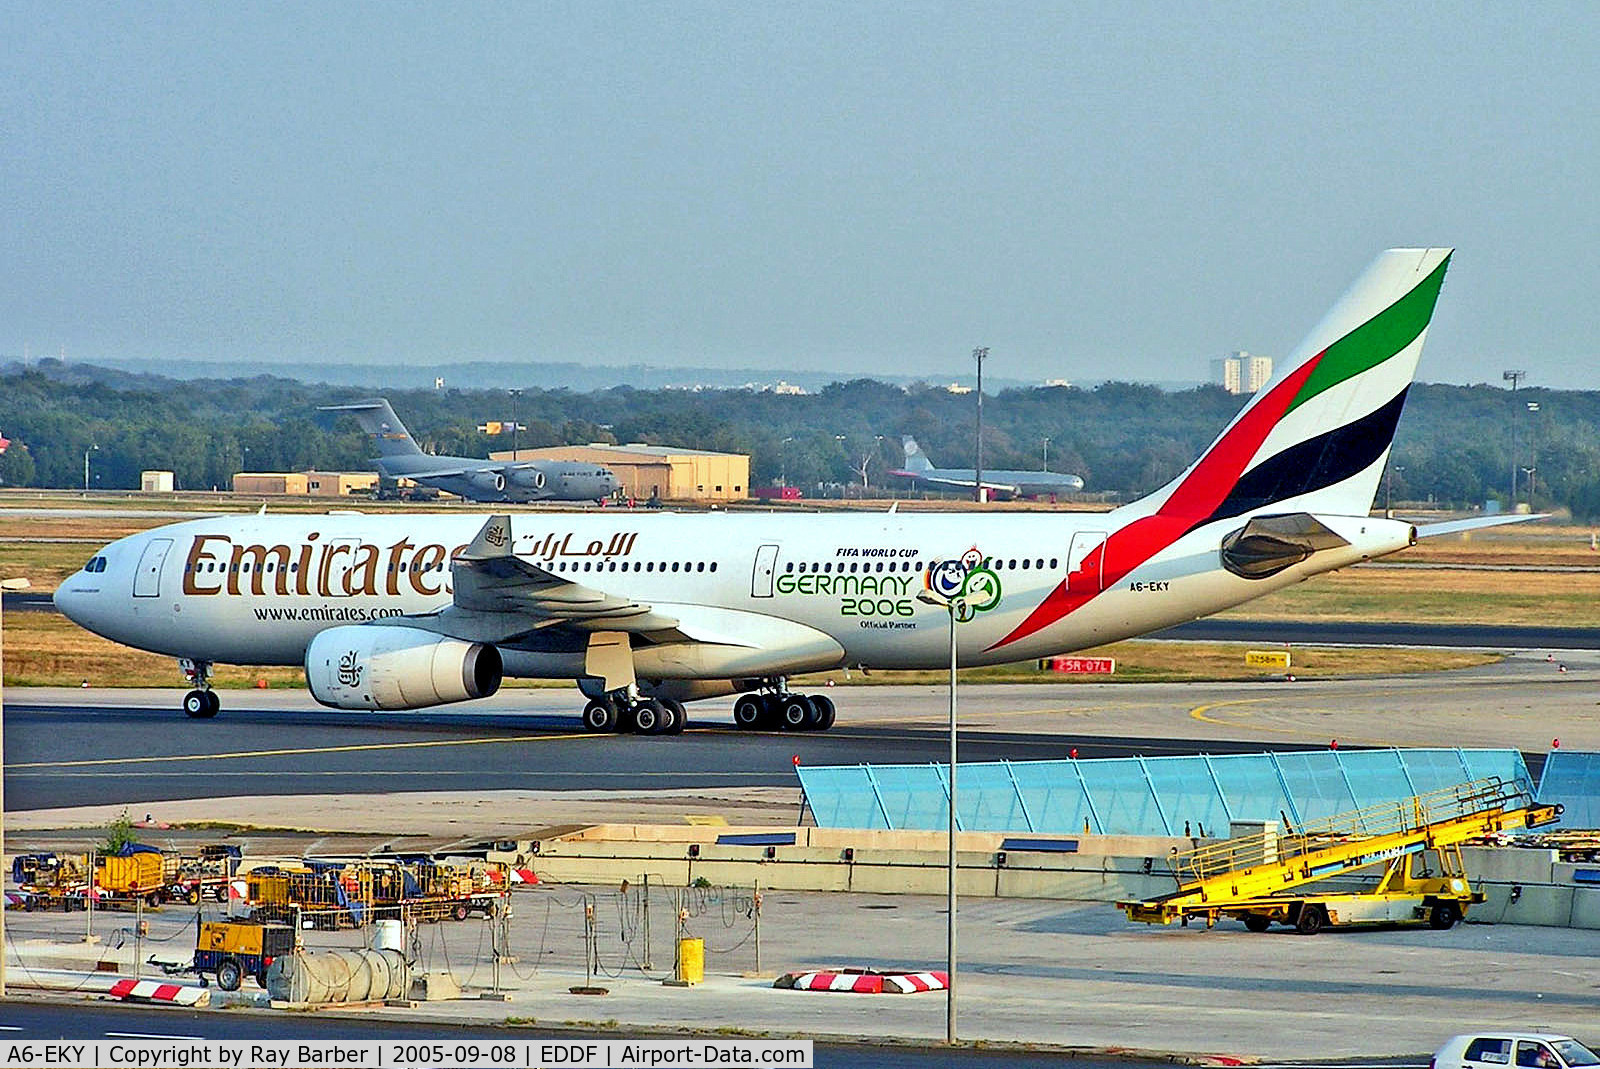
(68, 747)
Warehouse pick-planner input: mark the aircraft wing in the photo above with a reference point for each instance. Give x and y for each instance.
(500, 597)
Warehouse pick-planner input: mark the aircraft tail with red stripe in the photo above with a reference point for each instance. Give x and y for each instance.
(1316, 437)
(1307, 449)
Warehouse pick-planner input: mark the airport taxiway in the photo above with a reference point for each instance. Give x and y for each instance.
(66, 746)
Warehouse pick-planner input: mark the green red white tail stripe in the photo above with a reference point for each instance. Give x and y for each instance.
(1314, 439)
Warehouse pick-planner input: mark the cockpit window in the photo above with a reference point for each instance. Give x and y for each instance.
(96, 564)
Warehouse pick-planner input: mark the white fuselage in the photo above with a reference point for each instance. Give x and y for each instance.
(256, 589)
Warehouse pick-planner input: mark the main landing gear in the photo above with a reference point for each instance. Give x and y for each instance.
(783, 711)
(620, 711)
(202, 702)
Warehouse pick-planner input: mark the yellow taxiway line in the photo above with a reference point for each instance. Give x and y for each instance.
(1200, 712)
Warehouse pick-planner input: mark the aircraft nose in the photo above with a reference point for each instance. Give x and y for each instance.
(69, 601)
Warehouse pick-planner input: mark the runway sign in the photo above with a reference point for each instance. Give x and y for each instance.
(1098, 666)
(1267, 658)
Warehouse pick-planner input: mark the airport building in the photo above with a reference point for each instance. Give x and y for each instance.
(155, 482)
(659, 471)
(1241, 372)
(310, 483)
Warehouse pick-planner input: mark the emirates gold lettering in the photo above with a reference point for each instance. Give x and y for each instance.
(303, 566)
(427, 558)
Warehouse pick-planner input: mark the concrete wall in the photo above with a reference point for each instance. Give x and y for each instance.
(1103, 869)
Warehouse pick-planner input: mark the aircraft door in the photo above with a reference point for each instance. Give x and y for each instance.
(1083, 544)
(341, 558)
(761, 576)
(147, 580)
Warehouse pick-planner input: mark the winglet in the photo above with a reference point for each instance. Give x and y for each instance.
(494, 540)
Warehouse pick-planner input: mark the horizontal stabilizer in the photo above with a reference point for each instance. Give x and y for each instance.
(1432, 530)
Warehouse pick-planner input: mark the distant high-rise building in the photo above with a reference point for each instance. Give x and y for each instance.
(1241, 372)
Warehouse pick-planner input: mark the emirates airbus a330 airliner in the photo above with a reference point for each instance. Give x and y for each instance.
(406, 611)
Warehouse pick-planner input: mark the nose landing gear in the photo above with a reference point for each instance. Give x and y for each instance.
(202, 702)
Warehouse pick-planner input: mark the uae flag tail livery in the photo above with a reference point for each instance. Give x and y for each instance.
(1312, 442)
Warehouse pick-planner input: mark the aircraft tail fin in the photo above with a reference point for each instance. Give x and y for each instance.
(916, 459)
(382, 426)
(1316, 437)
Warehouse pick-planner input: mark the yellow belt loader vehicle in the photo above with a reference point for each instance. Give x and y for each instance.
(1281, 877)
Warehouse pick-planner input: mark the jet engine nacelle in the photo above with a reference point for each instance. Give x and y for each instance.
(487, 482)
(397, 668)
(527, 478)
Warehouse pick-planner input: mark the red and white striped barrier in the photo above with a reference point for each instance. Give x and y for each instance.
(524, 876)
(864, 982)
(156, 991)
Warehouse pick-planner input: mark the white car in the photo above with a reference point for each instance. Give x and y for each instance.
(1526, 1050)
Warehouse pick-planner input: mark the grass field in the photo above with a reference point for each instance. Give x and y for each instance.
(43, 649)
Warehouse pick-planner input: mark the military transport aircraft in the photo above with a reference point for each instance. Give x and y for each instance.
(406, 611)
(517, 481)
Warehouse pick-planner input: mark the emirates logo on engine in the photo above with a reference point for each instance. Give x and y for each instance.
(349, 670)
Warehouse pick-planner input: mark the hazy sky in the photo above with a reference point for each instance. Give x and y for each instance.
(1114, 190)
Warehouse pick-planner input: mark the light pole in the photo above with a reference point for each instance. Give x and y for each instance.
(1388, 490)
(1046, 454)
(86, 452)
(954, 607)
(1515, 379)
(979, 355)
(1529, 473)
(783, 463)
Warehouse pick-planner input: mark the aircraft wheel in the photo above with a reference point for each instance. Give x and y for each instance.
(647, 717)
(201, 704)
(748, 712)
(771, 712)
(671, 718)
(796, 713)
(680, 716)
(825, 708)
(600, 716)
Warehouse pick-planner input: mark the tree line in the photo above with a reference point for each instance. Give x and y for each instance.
(1456, 445)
